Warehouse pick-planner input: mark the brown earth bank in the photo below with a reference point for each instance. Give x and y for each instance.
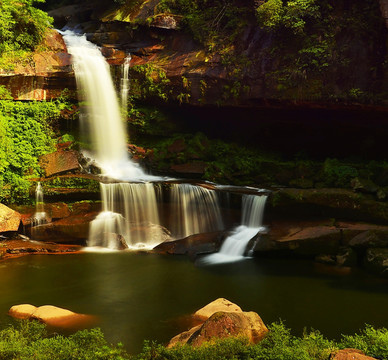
(15, 248)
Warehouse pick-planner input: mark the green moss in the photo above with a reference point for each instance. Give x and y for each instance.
(71, 182)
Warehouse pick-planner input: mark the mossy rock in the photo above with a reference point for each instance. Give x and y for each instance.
(376, 261)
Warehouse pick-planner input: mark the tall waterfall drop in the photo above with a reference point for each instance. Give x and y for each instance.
(114, 226)
(102, 113)
(235, 245)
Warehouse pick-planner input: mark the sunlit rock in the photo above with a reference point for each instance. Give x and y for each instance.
(349, 354)
(51, 315)
(9, 219)
(23, 311)
(222, 325)
(59, 162)
(220, 304)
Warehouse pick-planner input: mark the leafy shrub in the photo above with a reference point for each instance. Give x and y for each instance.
(22, 26)
(374, 342)
(338, 174)
(27, 132)
(30, 340)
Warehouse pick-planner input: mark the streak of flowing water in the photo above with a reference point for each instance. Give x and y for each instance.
(235, 245)
(129, 212)
(125, 83)
(195, 210)
(102, 113)
(40, 216)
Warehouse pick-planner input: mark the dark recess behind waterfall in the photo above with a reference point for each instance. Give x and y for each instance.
(319, 133)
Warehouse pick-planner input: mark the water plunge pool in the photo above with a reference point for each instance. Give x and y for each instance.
(139, 296)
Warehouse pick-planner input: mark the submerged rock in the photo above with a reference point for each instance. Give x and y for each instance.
(50, 315)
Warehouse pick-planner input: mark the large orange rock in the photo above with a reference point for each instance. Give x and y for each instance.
(222, 325)
(51, 315)
(22, 311)
(9, 219)
(223, 319)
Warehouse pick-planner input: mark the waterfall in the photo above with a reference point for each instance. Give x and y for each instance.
(124, 83)
(101, 111)
(130, 217)
(234, 246)
(39, 217)
(194, 210)
(129, 212)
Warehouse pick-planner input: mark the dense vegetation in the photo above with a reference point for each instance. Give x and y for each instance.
(27, 132)
(30, 340)
(22, 28)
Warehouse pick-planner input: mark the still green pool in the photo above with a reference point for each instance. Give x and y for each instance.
(139, 296)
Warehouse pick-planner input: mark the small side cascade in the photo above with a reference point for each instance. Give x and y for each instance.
(129, 217)
(194, 210)
(234, 246)
(40, 216)
(125, 84)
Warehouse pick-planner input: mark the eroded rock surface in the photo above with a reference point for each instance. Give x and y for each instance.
(231, 321)
(9, 219)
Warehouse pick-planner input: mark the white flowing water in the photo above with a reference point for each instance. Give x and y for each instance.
(129, 211)
(108, 135)
(234, 246)
(40, 216)
(194, 210)
(125, 83)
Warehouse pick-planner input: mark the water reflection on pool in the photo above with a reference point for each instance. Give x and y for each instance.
(144, 296)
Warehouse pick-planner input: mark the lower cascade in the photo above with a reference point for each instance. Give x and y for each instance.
(194, 210)
(129, 215)
(235, 245)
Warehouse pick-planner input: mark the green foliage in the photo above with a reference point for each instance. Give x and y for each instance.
(149, 81)
(374, 342)
(291, 15)
(22, 28)
(26, 130)
(211, 22)
(30, 340)
(270, 14)
(338, 174)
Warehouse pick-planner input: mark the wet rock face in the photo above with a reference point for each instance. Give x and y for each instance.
(192, 245)
(46, 76)
(59, 162)
(376, 261)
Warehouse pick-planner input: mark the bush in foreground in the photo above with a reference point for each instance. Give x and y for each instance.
(30, 340)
